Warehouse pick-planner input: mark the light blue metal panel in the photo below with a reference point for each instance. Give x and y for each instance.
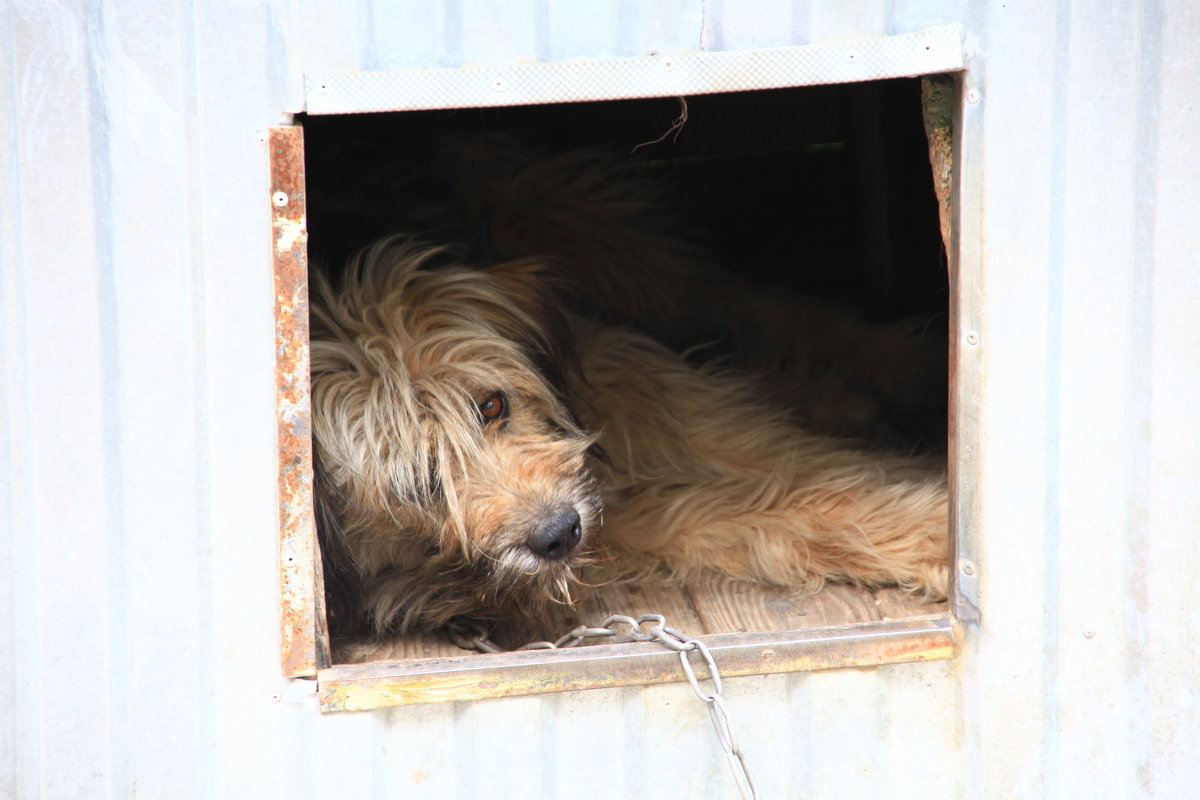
(251, 745)
(497, 33)
(144, 144)
(575, 29)
(1006, 237)
(399, 35)
(1162, 609)
(908, 15)
(1115, 372)
(1077, 348)
(419, 752)
(776, 23)
(339, 34)
(60, 398)
(937, 49)
(15, 528)
(599, 29)
(732, 25)
(1097, 403)
(137, 497)
(831, 20)
(137, 394)
(382, 35)
(868, 733)
(662, 26)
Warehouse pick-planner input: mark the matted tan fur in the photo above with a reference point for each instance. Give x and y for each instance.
(483, 454)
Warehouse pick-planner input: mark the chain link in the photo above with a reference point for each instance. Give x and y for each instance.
(620, 629)
(471, 635)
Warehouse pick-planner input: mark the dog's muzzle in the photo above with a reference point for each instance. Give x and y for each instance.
(558, 536)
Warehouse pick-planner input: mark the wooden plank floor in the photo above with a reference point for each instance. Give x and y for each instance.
(714, 605)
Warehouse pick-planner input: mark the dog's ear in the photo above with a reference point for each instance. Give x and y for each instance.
(530, 285)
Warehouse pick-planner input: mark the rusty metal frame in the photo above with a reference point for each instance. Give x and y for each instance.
(303, 636)
(381, 684)
(378, 684)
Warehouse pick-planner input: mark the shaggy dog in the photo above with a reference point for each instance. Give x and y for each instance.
(484, 449)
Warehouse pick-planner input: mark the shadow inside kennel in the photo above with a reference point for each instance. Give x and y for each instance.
(821, 193)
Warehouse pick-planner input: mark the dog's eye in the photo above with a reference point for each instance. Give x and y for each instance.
(494, 407)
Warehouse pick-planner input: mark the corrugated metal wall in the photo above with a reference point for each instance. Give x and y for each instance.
(138, 608)
(1083, 679)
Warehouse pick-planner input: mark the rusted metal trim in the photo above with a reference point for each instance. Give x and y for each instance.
(303, 651)
(473, 677)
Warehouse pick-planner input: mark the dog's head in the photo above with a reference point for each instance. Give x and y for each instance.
(457, 474)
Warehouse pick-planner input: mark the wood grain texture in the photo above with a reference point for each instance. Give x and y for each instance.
(728, 606)
(633, 599)
(898, 604)
(406, 648)
(713, 605)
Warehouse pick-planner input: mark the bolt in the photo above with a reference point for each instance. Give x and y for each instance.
(280, 199)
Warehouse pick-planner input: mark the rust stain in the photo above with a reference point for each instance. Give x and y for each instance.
(382, 684)
(301, 651)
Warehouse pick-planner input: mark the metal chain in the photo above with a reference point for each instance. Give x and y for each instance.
(473, 636)
(470, 635)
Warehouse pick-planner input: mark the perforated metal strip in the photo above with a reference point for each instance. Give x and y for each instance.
(933, 50)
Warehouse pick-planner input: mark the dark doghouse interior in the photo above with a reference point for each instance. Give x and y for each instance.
(825, 189)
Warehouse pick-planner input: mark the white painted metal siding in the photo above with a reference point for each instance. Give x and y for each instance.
(138, 606)
(1085, 670)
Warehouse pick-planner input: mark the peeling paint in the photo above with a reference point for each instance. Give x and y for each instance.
(304, 647)
(290, 233)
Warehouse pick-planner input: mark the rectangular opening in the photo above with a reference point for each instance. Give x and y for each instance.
(825, 192)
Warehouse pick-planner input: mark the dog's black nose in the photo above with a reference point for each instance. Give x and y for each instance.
(558, 537)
